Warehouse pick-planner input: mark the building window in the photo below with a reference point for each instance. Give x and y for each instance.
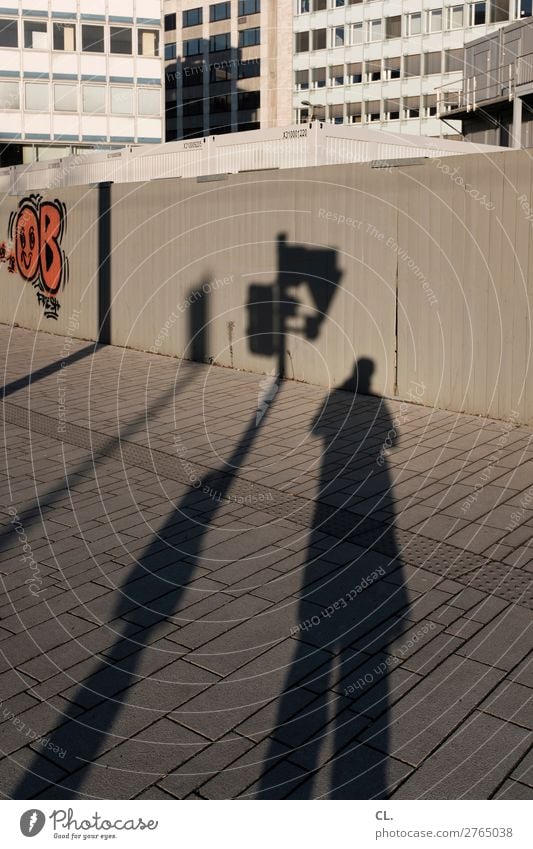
(478, 14)
(435, 20)
(414, 23)
(248, 70)
(353, 112)
(121, 100)
(36, 35)
(373, 70)
(219, 42)
(249, 100)
(301, 80)
(356, 34)
(524, 9)
(192, 17)
(393, 27)
(193, 75)
(249, 37)
(336, 35)
(193, 107)
(454, 61)
(319, 37)
(319, 5)
(432, 63)
(65, 97)
(148, 42)
(93, 98)
(301, 42)
(9, 33)
(192, 47)
(391, 110)
(170, 22)
(92, 39)
(9, 95)
(219, 12)
(170, 51)
(455, 17)
(220, 72)
(430, 105)
(149, 101)
(411, 107)
(64, 36)
(304, 6)
(392, 68)
(372, 110)
(411, 65)
(37, 97)
(249, 7)
(336, 75)
(121, 41)
(318, 77)
(375, 30)
(220, 103)
(355, 73)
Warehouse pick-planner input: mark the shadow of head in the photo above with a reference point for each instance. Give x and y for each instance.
(360, 381)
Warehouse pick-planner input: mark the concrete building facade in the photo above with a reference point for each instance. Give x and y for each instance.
(77, 75)
(386, 62)
(228, 66)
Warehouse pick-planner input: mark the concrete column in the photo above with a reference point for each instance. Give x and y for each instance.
(517, 122)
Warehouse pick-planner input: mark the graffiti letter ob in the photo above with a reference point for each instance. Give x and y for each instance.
(36, 229)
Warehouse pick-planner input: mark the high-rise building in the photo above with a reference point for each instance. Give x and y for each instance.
(77, 75)
(385, 62)
(228, 66)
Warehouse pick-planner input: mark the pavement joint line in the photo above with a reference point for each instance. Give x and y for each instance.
(491, 576)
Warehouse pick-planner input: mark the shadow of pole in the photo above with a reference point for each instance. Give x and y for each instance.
(105, 249)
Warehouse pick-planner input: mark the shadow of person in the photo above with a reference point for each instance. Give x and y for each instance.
(150, 598)
(360, 602)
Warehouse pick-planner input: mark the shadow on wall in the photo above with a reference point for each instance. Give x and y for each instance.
(274, 312)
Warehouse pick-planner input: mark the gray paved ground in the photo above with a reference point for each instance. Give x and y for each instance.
(200, 602)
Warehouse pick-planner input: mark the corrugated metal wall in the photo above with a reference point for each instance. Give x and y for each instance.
(431, 263)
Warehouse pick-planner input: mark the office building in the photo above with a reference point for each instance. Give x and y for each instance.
(228, 66)
(78, 75)
(386, 63)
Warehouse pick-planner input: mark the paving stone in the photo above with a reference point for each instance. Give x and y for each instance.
(511, 702)
(463, 628)
(263, 759)
(504, 641)
(210, 762)
(444, 698)
(523, 674)
(514, 790)
(25, 774)
(471, 764)
(357, 773)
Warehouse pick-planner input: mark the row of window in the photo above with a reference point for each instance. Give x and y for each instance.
(500, 10)
(217, 12)
(374, 110)
(215, 72)
(94, 38)
(217, 43)
(415, 23)
(373, 70)
(66, 97)
(245, 100)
